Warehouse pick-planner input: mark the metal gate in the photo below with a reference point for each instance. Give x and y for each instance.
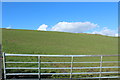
(71, 68)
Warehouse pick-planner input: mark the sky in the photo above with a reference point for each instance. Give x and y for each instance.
(60, 0)
(75, 17)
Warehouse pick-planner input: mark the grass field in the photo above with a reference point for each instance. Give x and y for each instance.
(47, 42)
(41, 42)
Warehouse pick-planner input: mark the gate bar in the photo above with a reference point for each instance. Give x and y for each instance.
(4, 65)
(71, 67)
(39, 68)
(100, 67)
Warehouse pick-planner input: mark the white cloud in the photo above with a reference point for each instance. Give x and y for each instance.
(75, 27)
(79, 27)
(42, 27)
(107, 32)
(116, 35)
(8, 27)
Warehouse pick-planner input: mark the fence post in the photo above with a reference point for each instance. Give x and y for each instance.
(101, 60)
(0, 63)
(71, 67)
(4, 65)
(39, 68)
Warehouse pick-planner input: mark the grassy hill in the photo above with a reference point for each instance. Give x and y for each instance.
(48, 42)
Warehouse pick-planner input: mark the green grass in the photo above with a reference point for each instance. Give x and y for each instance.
(42, 42)
(59, 43)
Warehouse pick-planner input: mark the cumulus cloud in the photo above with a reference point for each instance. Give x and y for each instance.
(42, 27)
(116, 35)
(79, 27)
(75, 27)
(8, 27)
(107, 32)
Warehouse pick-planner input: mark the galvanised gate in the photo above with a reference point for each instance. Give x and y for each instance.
(71, 68)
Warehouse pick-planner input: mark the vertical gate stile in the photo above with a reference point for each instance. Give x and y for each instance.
(39, 68)
(71, 67)
(101, 60)
(4, 65)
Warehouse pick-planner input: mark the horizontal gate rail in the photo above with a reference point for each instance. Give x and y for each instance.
(71, 67)
(68, 79)
(68, 62)
(57, 55)
(60, 68)
(58, 73)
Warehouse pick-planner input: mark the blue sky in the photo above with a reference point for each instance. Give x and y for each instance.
(60, 0)
(75, 16)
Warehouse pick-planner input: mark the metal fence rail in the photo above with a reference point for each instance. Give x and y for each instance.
(71, 68)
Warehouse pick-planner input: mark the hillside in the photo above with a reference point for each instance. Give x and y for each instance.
(48, 42)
